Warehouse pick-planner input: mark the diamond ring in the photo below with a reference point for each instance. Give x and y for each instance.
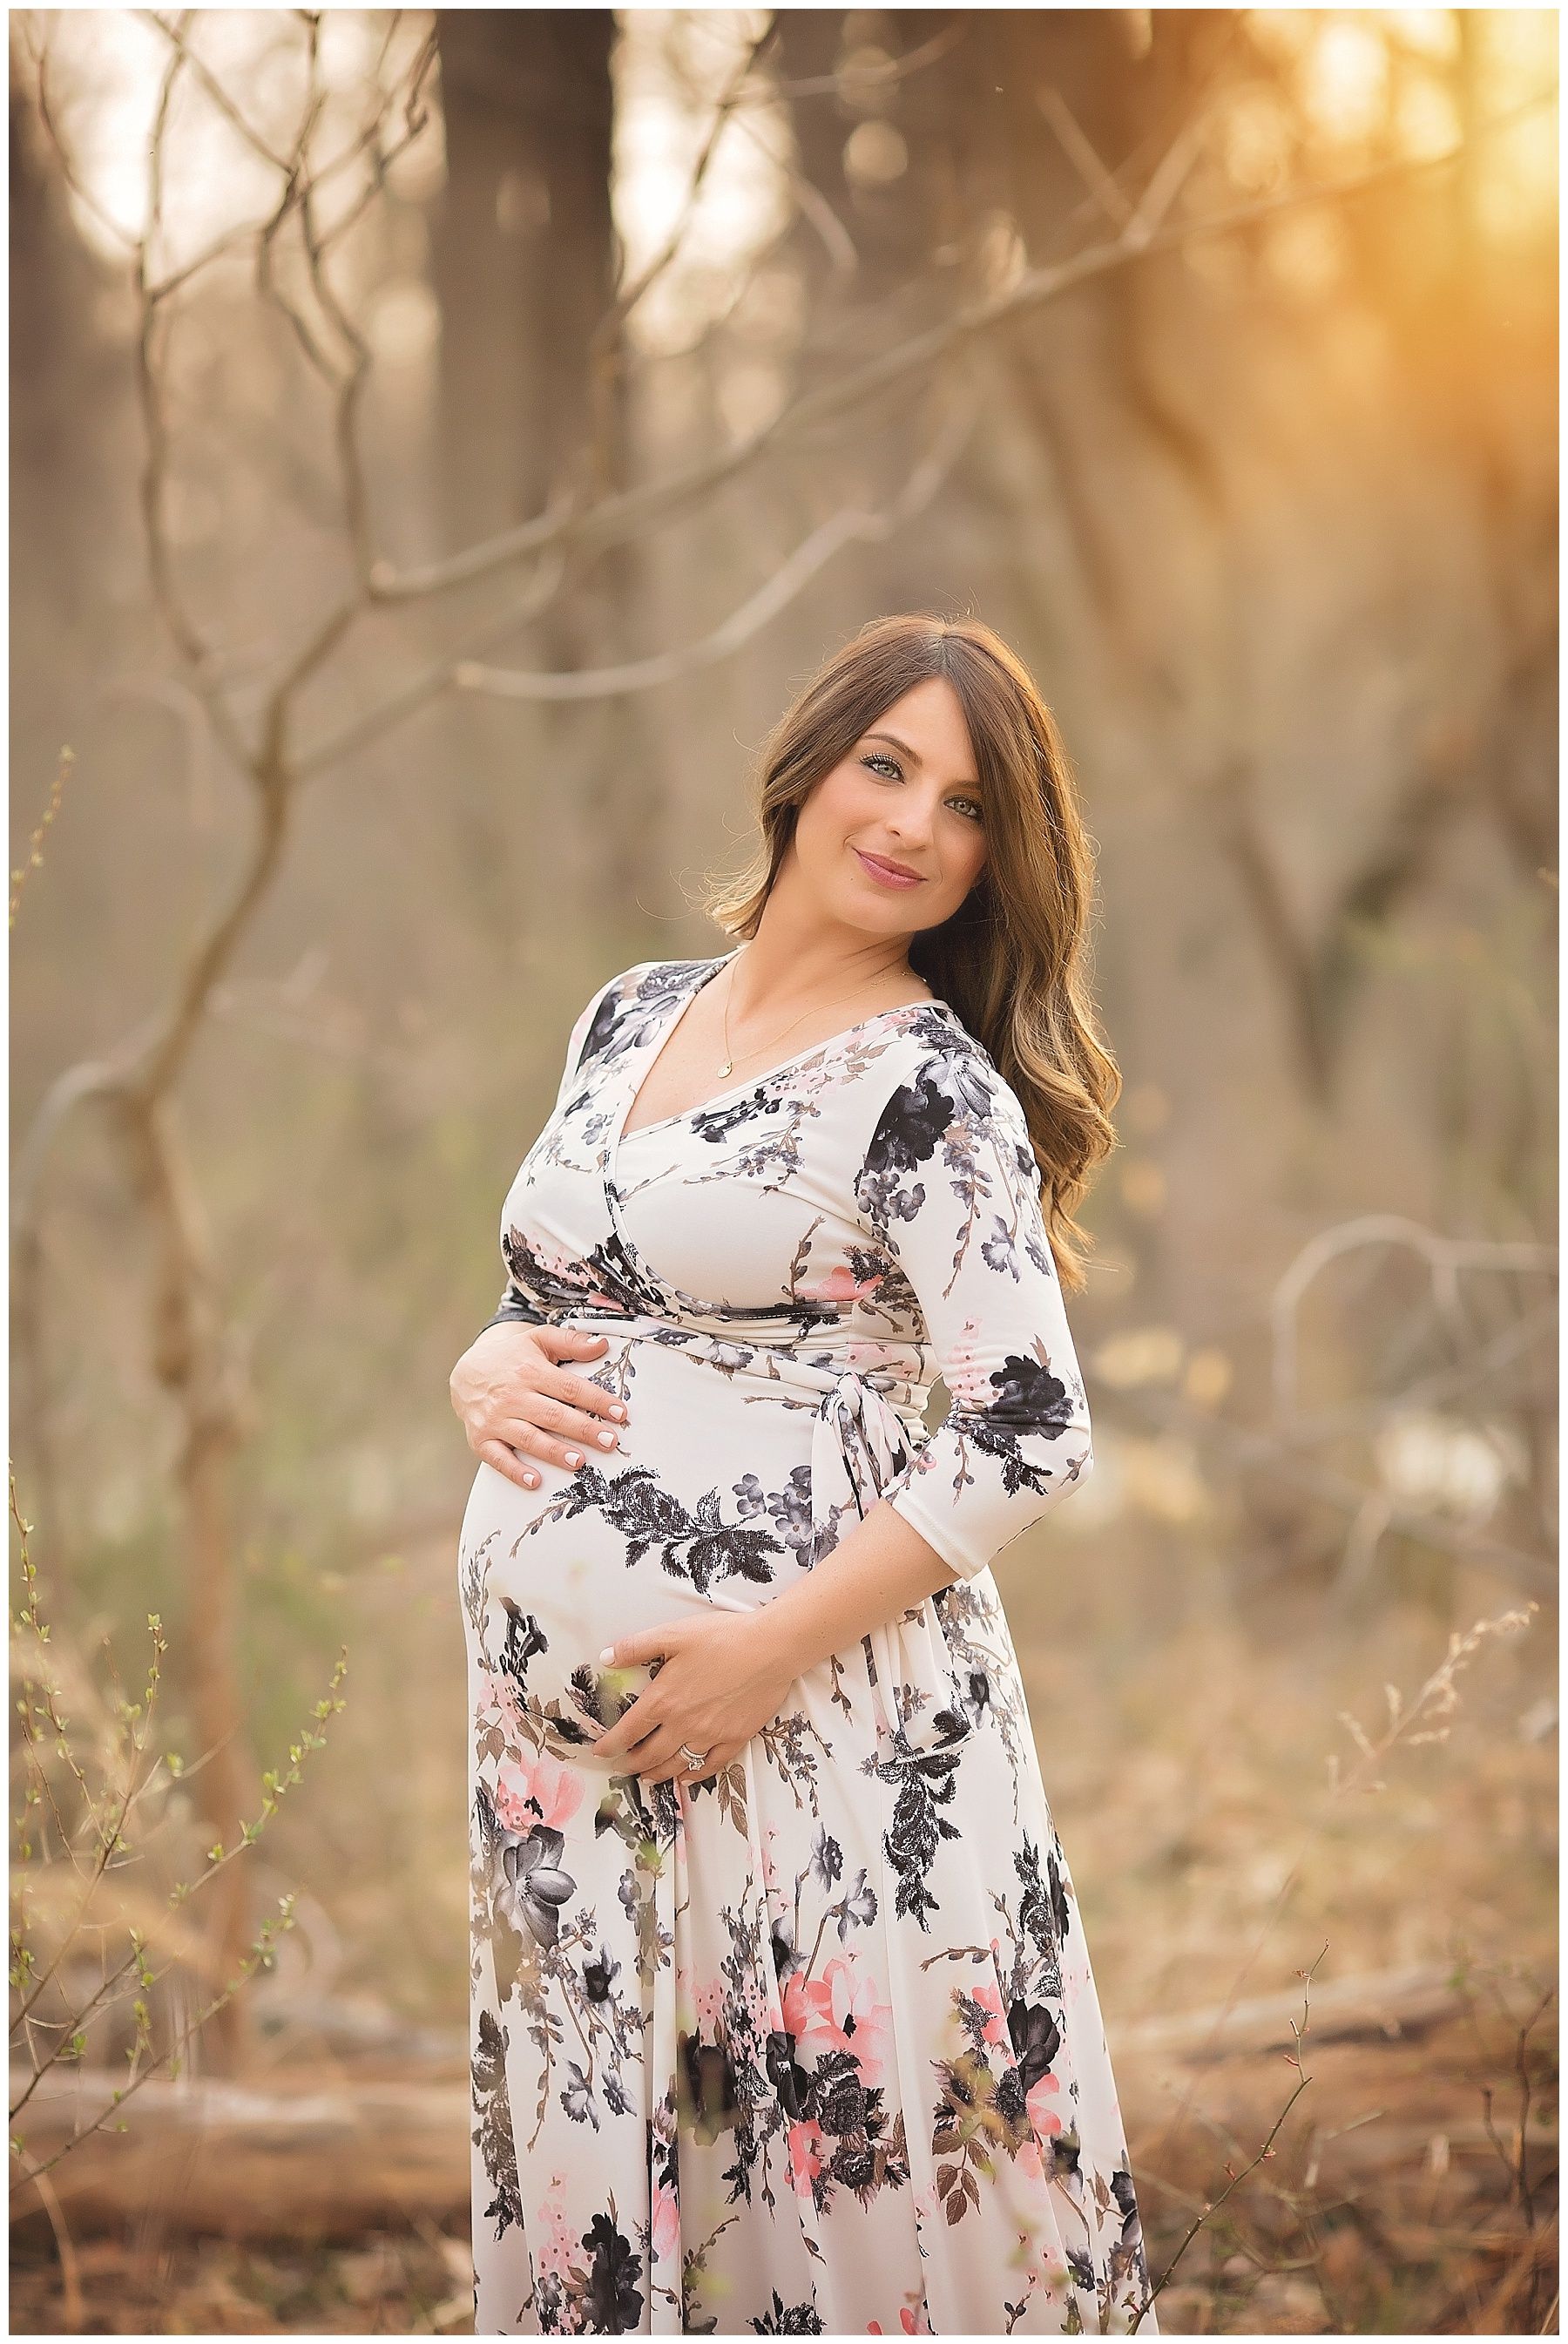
(696, 1760)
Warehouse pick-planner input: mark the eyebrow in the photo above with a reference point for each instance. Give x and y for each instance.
(914, 755)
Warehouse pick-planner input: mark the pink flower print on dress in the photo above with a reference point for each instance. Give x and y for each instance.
(553, 2254)
(799, 2015)
(1042, 2115)
(664, 2226)
(806, 2157)
(710, 2005)
(927, 2204)
(988, 1994)
(839, 2012)
(560, 1260)
(968, 1381)
(536, 1789)
(502, 1704)
(841, 1285)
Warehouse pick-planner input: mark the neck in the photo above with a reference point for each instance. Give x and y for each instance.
(793, 960)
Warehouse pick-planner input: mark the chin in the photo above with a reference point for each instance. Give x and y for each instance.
(877, 919)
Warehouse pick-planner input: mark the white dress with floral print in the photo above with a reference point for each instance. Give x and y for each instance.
(813, 2045)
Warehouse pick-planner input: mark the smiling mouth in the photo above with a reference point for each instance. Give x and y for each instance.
(888, 873)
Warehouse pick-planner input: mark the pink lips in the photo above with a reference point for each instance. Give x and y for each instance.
(887, 874)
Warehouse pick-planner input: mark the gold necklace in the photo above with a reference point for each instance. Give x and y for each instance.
(728, 1066)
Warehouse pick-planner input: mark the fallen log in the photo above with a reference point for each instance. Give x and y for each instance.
(1390, 2004)
(230, 2160)
(292, 2157)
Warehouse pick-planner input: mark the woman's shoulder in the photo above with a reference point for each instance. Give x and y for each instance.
(933, 1045)
(646, 988)
(939, 1075)
(621, 1008)
(651, 982)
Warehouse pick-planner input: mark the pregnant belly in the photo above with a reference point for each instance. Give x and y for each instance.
(723, 1491)
(706, 1503)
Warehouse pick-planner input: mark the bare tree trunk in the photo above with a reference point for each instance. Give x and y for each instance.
(58, 400)
(524, 251)
(525, 262)
(193, 1361)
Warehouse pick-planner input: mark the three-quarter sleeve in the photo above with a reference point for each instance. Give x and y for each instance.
(952, 1189)
(514, 1304)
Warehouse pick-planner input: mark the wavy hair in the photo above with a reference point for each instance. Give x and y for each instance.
(1013, 959)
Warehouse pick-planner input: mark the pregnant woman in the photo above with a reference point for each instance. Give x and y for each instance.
(783, 2021)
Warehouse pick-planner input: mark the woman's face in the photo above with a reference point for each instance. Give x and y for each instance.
(906, 794)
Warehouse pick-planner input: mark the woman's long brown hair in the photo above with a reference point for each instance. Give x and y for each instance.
(1013, 959)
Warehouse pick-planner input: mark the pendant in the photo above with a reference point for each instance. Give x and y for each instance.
(727, 1067)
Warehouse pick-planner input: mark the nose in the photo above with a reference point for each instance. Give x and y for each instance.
(910, 842)
(911, 823)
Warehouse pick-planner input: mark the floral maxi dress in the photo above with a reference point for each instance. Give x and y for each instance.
(811, 2045)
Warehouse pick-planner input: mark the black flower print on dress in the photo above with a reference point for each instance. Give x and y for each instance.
(811, 2045)
(696, 1544)
(493, 2134)
(951, 1184)
(611, 2292)
(534, 1886)
(795, 2319)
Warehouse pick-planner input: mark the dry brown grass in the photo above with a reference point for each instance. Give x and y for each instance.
(1186, 1777)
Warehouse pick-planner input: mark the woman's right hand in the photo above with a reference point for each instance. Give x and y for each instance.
(513, 1390)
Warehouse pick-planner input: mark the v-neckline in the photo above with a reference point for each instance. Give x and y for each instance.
(632, 1091)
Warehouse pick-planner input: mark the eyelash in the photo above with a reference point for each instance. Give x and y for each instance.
(881, 756)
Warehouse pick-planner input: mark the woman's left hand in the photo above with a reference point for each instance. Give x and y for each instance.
(724, 1676)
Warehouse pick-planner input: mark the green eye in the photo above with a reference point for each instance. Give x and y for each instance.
(875, 758)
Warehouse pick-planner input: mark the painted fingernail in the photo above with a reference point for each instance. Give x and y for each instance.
(619, 1413)
(607, 1440)
(532, 1480)
(572, 1456)
(607, 1654)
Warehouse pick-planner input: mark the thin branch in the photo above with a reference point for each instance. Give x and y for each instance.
(324, 173)
(616, 518)
(211, 83)
(1244, 1448)
(748, 620)
(435, 678)
(1409, 1721)
(77, 187)
(604, 344)
(1266, 2151)
(854, 81)
(1102, 182)
(34, 854)
(1483, 1373)
(1444, 1257)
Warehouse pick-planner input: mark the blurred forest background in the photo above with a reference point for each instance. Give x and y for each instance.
(440, 445)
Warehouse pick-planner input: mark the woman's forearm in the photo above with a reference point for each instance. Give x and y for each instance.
(881, 1568)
